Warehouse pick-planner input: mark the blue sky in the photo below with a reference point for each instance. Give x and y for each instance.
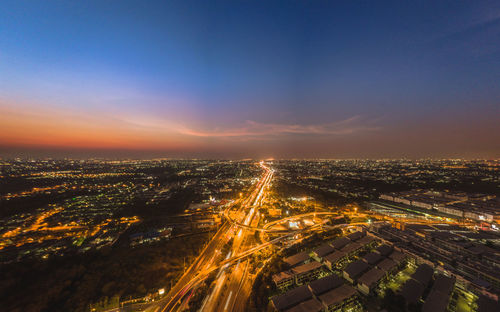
(254, 78)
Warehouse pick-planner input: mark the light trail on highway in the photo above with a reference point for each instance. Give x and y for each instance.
(219, 298)
(206, 259)
(231, 288)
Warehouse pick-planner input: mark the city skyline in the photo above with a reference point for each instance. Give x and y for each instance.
(260, 80)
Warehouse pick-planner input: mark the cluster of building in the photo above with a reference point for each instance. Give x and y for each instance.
(476, 207)
(77, 224)
(440, 262)
(54, 207)
(308, 266)
(374, 268)
(331, 276)
(329, 293)
(216, 179)
(473, 258)
(439, 296)
(366, 179)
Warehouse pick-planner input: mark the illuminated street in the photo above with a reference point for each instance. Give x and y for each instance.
(233, 282)
(205, 261)
(249, 156)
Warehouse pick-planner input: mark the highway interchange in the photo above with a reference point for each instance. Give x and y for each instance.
(177, 297)
(233, 281)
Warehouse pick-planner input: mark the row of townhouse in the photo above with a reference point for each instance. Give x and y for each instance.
(327, 294)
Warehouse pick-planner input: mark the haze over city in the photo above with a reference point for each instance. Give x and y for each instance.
(237, 79)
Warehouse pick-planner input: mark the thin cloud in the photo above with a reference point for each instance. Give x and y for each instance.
(485, 20)
(253, 129)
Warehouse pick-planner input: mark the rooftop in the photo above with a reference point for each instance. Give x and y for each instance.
(397, 256)
(356, 268)
(351, 247)
(325, 284)
(297, 258)
(340, 242)
(306, 267)
(365, 240)
(371, 277)
(336, 256)
(372, 258)
(438, 298)
(311, 305)
(385, 250)
(423, 274)
(412, 291)
(323, 250)
(337, 295)
(282, 276)
(356, 235)
(386, 265)
(443, 285)
(291, 298)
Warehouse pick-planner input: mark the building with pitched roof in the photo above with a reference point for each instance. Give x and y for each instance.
(291, 298)
(370, 280)
(354, 270)
(340, 299)
(325, 284)
(307, 272)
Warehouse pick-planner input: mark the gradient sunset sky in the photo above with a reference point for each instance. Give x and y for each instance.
(237, 79)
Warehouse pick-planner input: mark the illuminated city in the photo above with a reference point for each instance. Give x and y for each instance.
(249, 156)
(329, 234)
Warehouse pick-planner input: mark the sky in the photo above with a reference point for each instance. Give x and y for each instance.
(250, 79)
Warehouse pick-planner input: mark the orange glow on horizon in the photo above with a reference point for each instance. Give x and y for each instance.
(44, 128)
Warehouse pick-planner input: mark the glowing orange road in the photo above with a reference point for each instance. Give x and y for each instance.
(206, 258)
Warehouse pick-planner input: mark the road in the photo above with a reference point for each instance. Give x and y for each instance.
(155, 307)
(233, 282)
(208, 258)
(232, 285)
(228, 284)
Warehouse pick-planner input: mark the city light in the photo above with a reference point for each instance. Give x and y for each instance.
(285, 156)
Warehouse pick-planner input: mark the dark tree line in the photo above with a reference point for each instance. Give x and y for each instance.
(72, 283)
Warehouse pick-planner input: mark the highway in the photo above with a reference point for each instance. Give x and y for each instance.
(228, 285)
(232, 285)
(235, 259)
(208, 258)
(233, 280)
